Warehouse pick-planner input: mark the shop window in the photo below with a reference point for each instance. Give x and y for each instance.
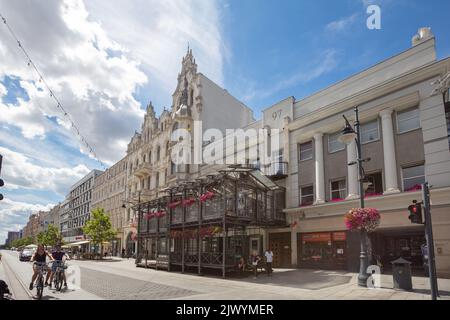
(370, 132)
(376, 184)
(338, 189)
(408, 120)
(306, 195)
(334, 144)
(305, 151)
(413, 178)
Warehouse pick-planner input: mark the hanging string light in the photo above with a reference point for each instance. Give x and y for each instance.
(42, 80)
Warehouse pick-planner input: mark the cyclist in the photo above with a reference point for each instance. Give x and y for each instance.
(58, 256)
(40, 258)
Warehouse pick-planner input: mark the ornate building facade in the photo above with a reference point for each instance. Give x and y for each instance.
(150, 169)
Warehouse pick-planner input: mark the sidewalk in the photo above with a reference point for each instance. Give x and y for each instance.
(287, 284)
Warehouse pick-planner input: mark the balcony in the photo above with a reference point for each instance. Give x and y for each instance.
(143, 170)
(277, 170)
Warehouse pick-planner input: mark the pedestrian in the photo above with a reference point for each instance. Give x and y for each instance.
(269, 259)
(123, 253)
(255, 262)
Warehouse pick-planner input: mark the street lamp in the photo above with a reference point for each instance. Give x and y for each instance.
(350, 134)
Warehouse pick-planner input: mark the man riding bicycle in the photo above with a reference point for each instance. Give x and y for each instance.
(58, 256)
(39, 258)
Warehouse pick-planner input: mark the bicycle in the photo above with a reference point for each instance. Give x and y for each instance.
(42, 270)
(58, 277)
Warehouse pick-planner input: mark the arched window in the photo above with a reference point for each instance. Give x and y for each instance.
(175, 126)
(167, 148)
(150, 157)
(158, 153)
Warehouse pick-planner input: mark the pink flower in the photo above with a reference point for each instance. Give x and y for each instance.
(362, 218)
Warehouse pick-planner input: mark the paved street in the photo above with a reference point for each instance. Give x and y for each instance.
(120, 279)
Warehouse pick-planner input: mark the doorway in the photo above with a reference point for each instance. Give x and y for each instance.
(280, 244)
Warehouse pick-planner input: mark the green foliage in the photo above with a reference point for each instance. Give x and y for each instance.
(99, 228)
(50, 237)
(22, 242)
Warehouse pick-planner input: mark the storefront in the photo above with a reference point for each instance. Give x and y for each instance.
(325, 250)
(391, 244)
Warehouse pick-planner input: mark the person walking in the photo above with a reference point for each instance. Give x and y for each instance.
(269, 259)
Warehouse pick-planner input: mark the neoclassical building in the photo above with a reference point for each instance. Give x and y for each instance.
(404, 126)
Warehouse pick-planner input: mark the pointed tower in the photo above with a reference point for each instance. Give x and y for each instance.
(186, 82)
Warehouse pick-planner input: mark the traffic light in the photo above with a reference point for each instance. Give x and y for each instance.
(415, 213)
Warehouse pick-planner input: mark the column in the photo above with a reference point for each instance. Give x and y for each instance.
(294, 258)
(390, 162)
(319, 169)
(352, 172)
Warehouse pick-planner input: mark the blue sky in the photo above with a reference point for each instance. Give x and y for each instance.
(105, 73)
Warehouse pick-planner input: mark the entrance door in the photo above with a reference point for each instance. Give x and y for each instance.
(280, 244)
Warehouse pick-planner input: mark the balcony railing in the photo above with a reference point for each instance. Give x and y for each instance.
(277, 170)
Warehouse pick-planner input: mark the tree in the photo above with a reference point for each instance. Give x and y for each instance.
(22, 242)
(50, 237)
(99, 228)
(53, 236)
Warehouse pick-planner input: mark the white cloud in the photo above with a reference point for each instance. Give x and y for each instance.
(3, 91)
(342, 24)
(157, 33)
(72, 53)
(91, 56)
(14, 215)
(19, 171)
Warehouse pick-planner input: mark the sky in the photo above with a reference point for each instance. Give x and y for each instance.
(106, 60)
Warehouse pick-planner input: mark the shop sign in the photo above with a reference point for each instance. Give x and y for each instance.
(339, 236)
(316, 237)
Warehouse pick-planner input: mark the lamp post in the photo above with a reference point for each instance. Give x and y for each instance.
(350, 134)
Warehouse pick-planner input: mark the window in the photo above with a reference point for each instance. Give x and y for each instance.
(338, 189)
(306, 195)
(370, 132)
(334, 144)
(413, 178)
(305, 151)
(408, 120)
(376, 184)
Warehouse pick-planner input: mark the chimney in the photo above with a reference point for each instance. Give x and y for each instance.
(422, 35)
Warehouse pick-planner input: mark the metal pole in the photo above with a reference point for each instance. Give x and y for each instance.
(138, 228)
(363, 276)
(430, 242)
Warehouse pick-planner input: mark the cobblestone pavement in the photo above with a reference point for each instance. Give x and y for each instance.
(115, 287)
(120, 279)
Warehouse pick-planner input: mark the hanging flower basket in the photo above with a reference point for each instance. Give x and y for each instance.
(160, 214)
(174, 204)
(367, 219)
(207, 196)
(188, 202)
